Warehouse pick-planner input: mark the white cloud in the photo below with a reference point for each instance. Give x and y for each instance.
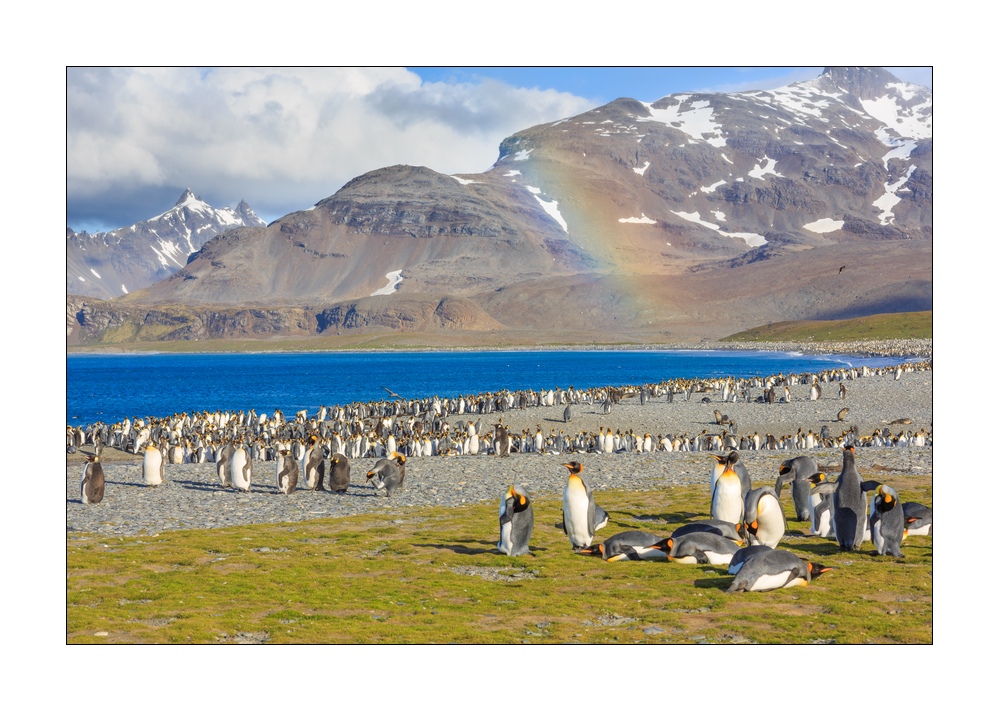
(280, 138)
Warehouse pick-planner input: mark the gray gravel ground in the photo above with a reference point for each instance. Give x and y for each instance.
(191, 497)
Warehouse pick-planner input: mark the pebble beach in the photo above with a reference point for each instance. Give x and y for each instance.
(192, 498)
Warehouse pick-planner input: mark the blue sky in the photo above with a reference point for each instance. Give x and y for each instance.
(605, 84)
(285, 138)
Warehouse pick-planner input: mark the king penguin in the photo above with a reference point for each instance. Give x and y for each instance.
(820, 506)
(629, 545)
(388, 474)
(731, 531)
(516, 519)
(152, 465)
(339, 473)
(765, 524)
(242, 467)
(772, 570)
(740, 557)
(796, 471)
(887, 522)
(92, 481)
(700, 547)
(222, 465)
(312, 463)
(849, 504)
(287, 472)
(918, 519)
(727, 495)
(581, 517)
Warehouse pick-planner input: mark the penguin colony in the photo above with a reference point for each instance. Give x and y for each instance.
(395, 430)
(745, 528)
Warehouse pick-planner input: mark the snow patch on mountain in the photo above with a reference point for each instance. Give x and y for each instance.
(643, 220)
(751, 238)
(395, 279)
(697, 121)
(826, 224)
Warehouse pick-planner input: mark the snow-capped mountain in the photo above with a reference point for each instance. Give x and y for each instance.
(698, 214)
(110, 264)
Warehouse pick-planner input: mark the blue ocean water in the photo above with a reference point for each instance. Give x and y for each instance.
(109, 388)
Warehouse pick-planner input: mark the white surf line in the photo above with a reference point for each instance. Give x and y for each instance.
(395, 279)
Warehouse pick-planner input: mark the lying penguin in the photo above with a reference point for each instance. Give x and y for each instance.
(629, 545)
(699, 547)
(774, 569)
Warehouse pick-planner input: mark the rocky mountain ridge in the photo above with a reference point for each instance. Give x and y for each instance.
(109, 264)
(698, 214)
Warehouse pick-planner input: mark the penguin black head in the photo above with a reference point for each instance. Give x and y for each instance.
(595, 549)
(573, 467)
(816, 569)
(665, 545)
(784, 469)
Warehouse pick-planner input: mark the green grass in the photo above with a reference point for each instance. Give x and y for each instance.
(434, 576)
(916, 324)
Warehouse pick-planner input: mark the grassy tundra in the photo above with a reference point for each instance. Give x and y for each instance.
(433, 575)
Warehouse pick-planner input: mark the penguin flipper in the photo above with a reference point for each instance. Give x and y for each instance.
(600, 518)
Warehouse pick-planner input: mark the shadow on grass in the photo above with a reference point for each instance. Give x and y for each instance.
(460, 549)
(722, 583)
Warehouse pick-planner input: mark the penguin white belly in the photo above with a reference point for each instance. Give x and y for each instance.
(685, 560)
(876, 538)
(716, 558)
(771, 522)
(774, 582)
(505, 545)
(239, 478)
(83, 485)
(727, 504)
(279, 465)
(921, 531)
(576, 506)
(151, 463)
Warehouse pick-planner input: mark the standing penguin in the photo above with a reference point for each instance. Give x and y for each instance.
(92, 481)
(152, 466)
(312, 464)
(732, 458)
(849, 504)
(223, 460)
(340, 473)
(581, 517)
(772, 570)
(727, 496)
(820, 506)
(287, 472)
(796, 471)
(765, 524)
(516, 519)
(242, 467)
(502, 440)
(887, 521)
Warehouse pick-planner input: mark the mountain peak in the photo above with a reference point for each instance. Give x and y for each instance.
(188, 196)
(862, 82)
